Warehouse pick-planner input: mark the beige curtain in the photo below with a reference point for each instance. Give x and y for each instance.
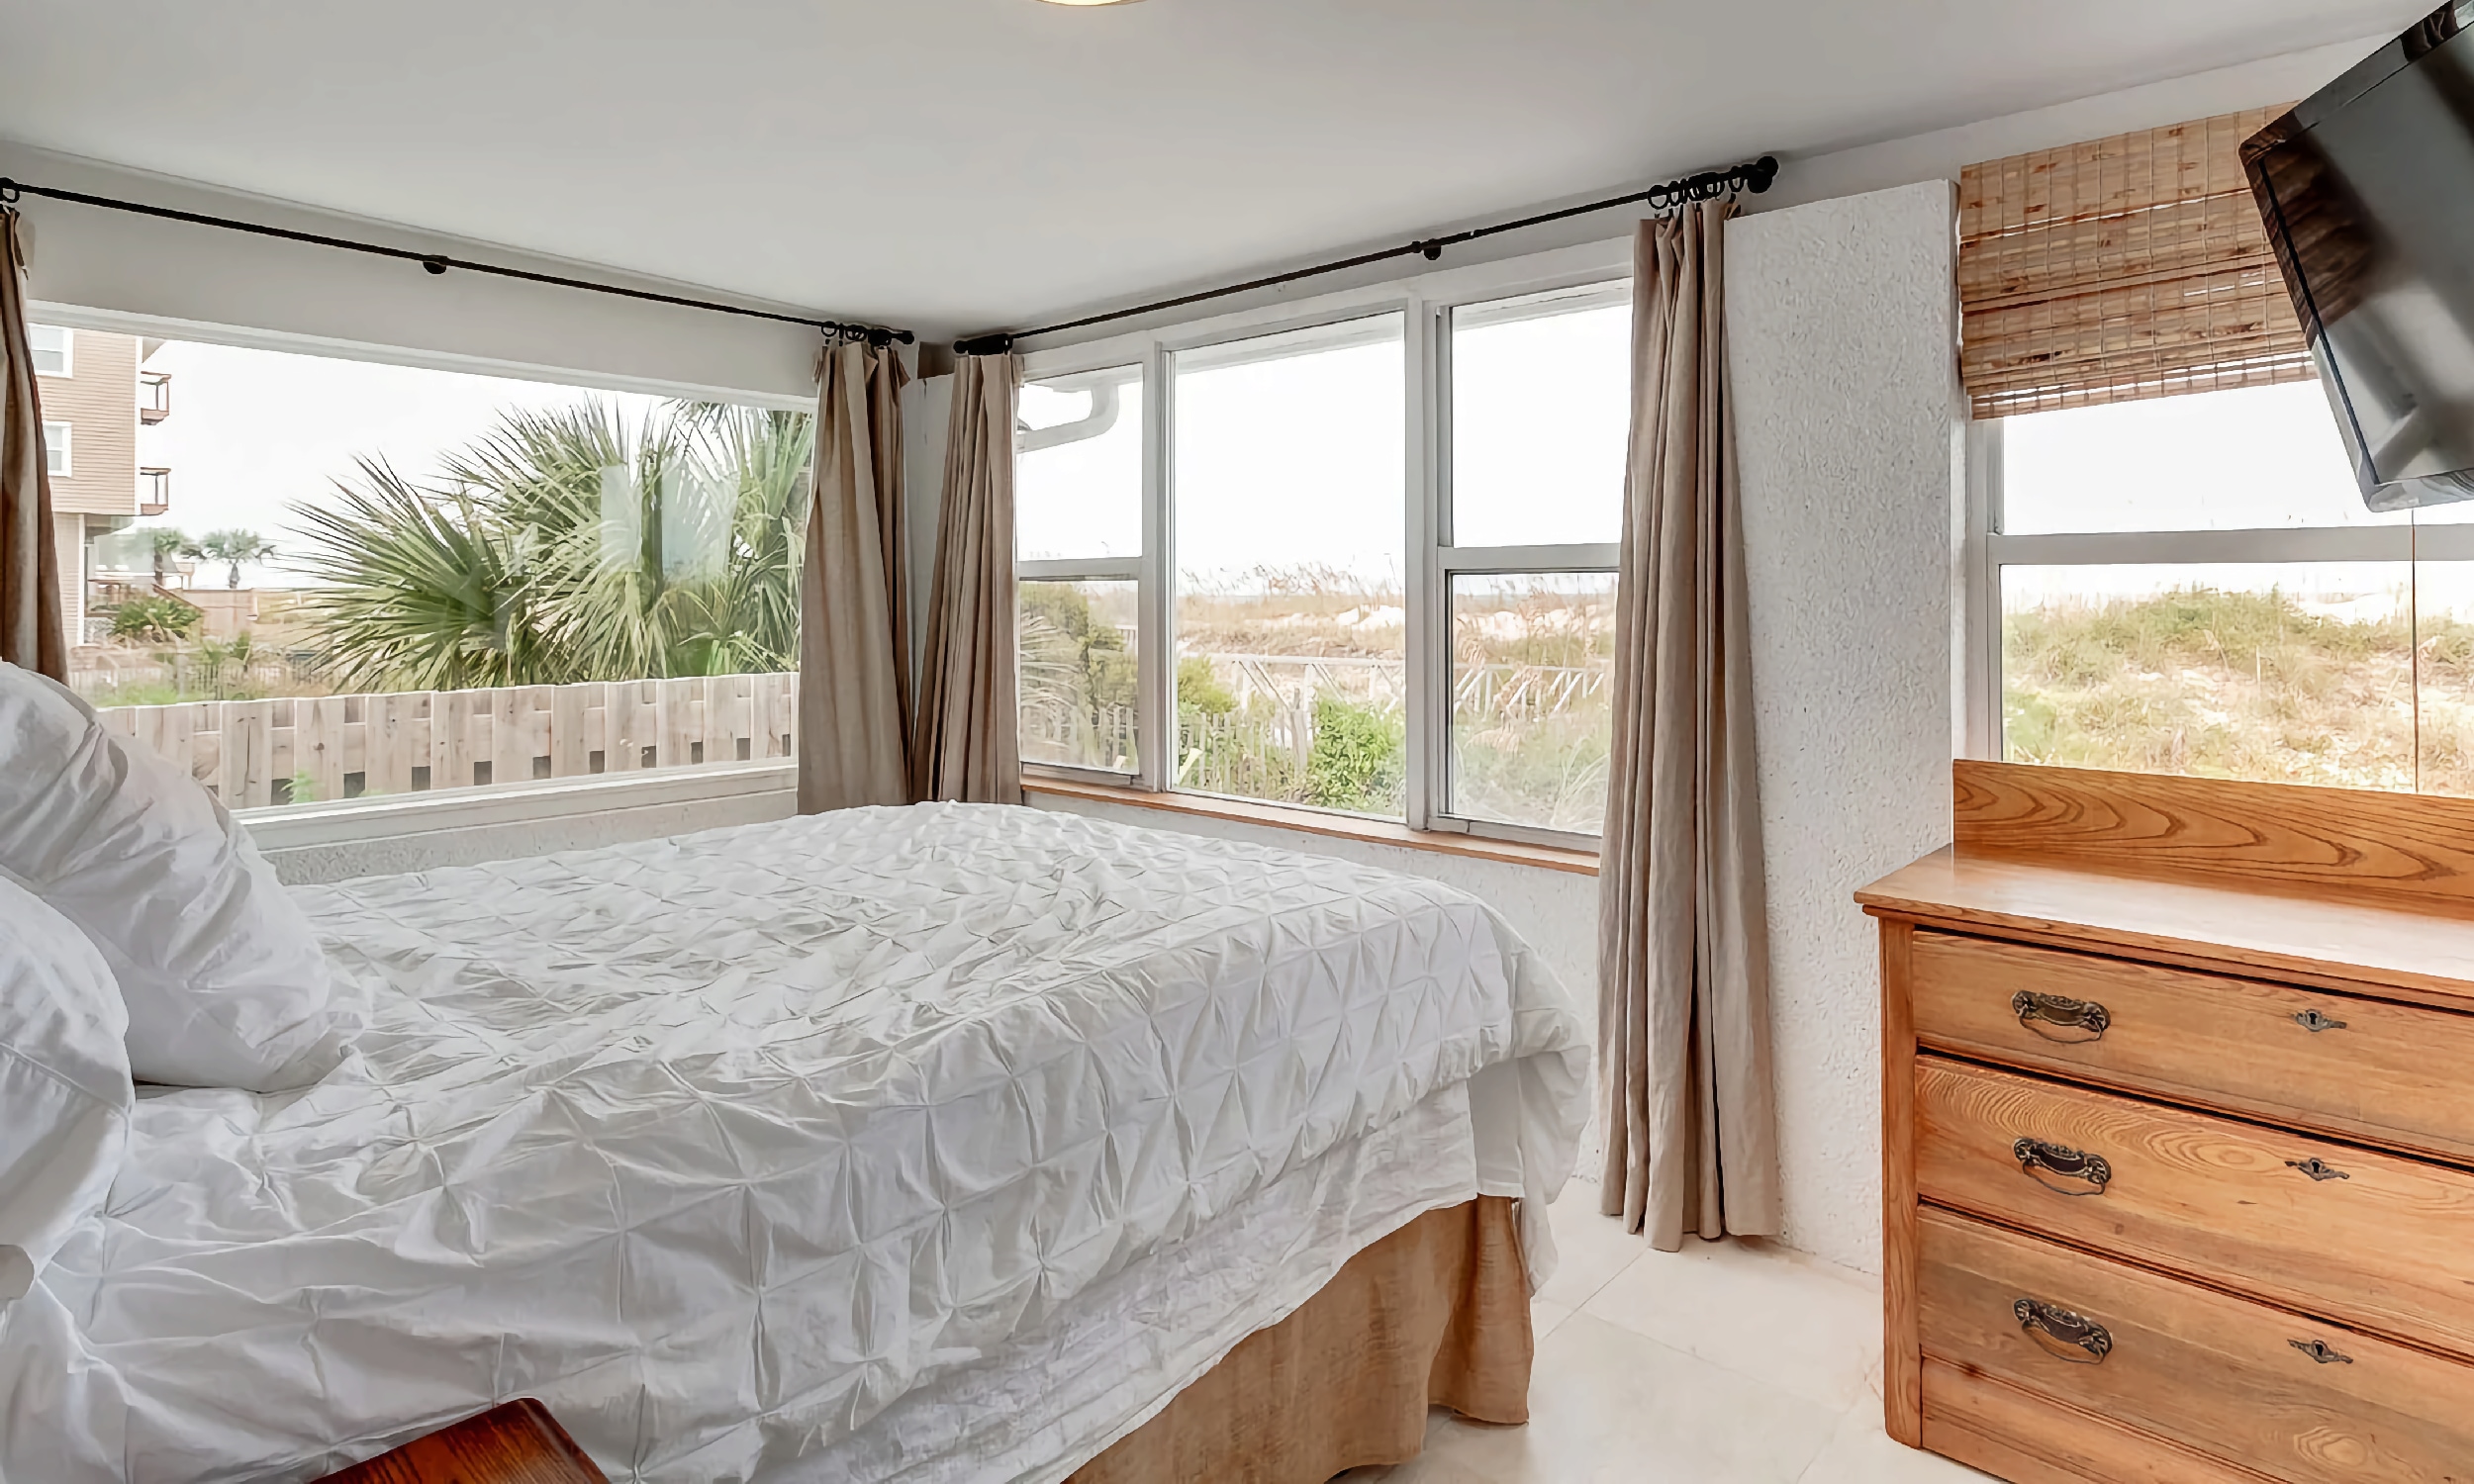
(969, 748)
(30, 635)
(1683, 962)
(854, 633)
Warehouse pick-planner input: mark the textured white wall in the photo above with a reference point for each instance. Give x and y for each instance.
(1554, 911)
(1843, 334)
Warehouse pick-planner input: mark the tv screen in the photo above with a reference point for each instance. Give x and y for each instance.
(2367, 190)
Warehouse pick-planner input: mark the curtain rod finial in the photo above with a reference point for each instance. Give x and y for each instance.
(1760, 173)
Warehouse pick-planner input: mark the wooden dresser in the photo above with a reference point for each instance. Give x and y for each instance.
(2178, 1139)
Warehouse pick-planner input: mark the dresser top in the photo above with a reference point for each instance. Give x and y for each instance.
(2319, 885)
(2273, 936)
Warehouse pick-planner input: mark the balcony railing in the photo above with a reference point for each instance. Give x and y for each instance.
(154, 491)
(154, 397)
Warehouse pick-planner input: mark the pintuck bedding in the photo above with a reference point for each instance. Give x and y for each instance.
(931, 1144)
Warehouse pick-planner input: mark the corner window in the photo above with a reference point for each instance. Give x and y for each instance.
(2191, 585)
(54, 349)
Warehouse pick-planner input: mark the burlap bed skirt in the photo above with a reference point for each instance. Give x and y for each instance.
(1436, 1313)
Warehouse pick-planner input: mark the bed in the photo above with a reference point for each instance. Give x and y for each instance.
(943, 1143)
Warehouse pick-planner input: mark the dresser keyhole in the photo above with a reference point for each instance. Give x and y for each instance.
(2313, 1021)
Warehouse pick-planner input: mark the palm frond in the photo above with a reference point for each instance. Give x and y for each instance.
(538, 558)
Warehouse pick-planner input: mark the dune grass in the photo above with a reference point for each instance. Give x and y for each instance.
(2246, 684)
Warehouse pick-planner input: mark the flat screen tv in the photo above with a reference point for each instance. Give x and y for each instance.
(2367, 190)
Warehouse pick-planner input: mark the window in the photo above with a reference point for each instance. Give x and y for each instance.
(1079, 536)
(2173, 570)
(1541, 412)
(392, 580)
(57, 437)
(53, 349)
(1357, 557)
(2192, 585)
(1292, 645)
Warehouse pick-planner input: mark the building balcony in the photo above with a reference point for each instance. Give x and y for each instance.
(154, 491)
(154, 397)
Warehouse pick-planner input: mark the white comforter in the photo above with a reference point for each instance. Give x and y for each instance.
(728, 1145)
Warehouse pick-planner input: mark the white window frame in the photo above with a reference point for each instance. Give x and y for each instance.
(65, 445)
(68, 349)
(1425, 302)
(1988, 549)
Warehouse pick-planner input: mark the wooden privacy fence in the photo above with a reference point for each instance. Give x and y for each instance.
(255, 752)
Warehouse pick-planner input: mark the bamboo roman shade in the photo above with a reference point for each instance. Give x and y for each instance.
(2127, 267)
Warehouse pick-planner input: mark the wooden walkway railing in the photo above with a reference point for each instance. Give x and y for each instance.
(254, 753)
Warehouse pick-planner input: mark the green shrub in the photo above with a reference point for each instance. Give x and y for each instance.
(1198, 687)
(1360, 760)
(154, 619)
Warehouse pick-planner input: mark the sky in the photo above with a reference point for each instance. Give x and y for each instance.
(254, 432)
(2244, 461)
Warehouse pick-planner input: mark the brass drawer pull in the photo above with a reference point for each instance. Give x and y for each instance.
(2033, 1154)
(2035, 1010)
(2318, 1350)
(2318, 1169)
(2059, 1331)
(2313, 1021)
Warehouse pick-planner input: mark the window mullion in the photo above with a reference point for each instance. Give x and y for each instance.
(2341, 543)
(1585, 556)
(1425, 637)
(1155, 668)
(1079, 570)
(1979, 596)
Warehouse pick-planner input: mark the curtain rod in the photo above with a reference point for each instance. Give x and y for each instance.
(1752, 175)
(438, 262)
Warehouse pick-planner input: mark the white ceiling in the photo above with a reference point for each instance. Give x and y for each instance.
(966, 165)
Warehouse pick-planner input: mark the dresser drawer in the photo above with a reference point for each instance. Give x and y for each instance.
(2372, 1239)
(2394, 1074)
(2026, 1439)
(2292, 1398)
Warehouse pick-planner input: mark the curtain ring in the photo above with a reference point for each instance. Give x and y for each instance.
(9, 193)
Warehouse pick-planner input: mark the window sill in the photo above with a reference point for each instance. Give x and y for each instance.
(298, 826)
(1317, 822)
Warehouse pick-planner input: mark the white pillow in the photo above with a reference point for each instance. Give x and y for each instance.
(223, 983)
(64, 1090)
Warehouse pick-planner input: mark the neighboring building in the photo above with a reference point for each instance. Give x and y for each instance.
(96, 392)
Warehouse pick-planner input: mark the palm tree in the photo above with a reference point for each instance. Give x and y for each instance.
(232, 547)
(163, 542)
(569, 545)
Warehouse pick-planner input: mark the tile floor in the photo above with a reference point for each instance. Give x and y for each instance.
(1726, 1363)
